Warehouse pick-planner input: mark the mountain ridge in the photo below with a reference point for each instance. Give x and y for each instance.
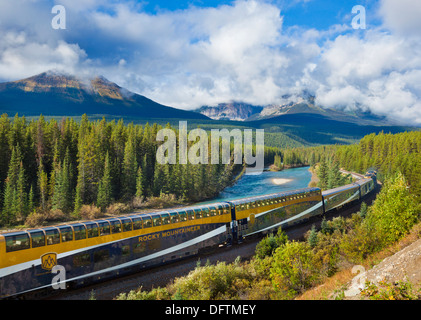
(304, 104)
(56, 94)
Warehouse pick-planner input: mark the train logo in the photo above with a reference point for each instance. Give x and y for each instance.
(48, 260)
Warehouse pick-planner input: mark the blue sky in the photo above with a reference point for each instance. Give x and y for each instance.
(310, 14)
(191, 53)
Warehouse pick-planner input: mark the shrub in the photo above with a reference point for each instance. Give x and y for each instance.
(56, 215)
(220, 281)
(395, 210)
(361, 241)
(90, 212)
(401, 290)
(35, 219)
(155, 294)
(117, 208)
(268, 245)
(293, 268)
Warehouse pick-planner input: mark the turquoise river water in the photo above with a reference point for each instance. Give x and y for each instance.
(265, 183)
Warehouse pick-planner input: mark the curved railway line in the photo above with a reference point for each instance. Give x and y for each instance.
(137, 249)
(162, 275)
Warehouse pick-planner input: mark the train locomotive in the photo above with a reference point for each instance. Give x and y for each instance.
(90, 251)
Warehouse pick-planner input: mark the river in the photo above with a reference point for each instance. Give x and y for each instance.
(265, 183)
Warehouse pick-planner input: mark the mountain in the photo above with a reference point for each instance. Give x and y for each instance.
(301, 104)
(55, 94)
(230, 111)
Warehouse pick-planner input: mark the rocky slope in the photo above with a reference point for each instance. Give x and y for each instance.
(404, 265)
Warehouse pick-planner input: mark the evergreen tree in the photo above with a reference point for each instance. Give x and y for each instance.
(363, 210)
(31, 200)
(323, 174)
(312, 238)
(129, 169)
(62, 196)
(334, 176)
(139, 183)
(42, 186)
(104, 197)
(22, 197)
(158, 181)
(15, 197)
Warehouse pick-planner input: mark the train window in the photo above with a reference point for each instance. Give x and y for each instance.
(101, 255)
(147, 222)
(190, 214)
(82, 259)
(205, 212)
(165, 219)
(137, 223)
(92, 230)
(115, 226)
(52, 236)
(66, 234)
(174, 217)
(104, 228)
(156, 221)
(125, 250)
(198, 213)
(182, 215)
(80, 232)
(213, 212)
(38, 239)
(127, 225)
(17, 242)
(139, 247)
(226, 210)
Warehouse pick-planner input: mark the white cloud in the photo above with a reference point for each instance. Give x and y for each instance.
(402, 16)
(204, 56)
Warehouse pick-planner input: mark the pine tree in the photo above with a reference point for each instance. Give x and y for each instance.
(22, 197)
(363, 210)
(129, 169)
(158, 181)
(104, 197)
(139, 183)
(15, 197)
(323, 174)
(31, 200)
(334, 176)
(42, 186)
(312, 238)
(62, 196)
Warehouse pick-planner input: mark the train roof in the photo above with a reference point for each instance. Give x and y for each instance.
(339, 189)
(273, 195)
(363, 181)
(127, 217)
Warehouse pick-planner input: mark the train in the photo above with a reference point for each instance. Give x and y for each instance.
(97, 250)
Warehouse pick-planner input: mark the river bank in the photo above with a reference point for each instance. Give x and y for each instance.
(314, 178)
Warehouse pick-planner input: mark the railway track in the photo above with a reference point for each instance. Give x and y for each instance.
(162, 275)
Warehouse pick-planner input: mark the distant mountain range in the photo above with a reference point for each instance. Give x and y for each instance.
(55, 94)
(303, 104)
(296, 120)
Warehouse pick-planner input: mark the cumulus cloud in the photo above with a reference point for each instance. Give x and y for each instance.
(234, 52)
